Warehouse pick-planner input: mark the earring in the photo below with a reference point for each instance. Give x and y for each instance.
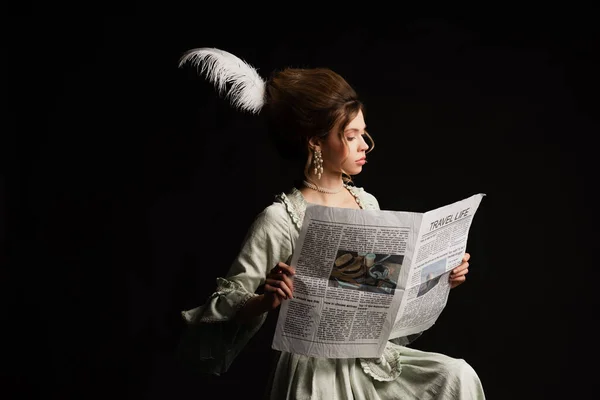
(318, 163)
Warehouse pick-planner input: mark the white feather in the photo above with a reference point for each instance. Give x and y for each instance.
(223, 69)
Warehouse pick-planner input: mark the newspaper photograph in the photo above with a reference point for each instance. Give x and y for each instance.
(366, 276)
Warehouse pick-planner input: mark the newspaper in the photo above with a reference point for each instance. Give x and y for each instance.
(366, 276)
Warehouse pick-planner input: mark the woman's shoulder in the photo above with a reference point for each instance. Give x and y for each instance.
(294, 205)
(287, 207)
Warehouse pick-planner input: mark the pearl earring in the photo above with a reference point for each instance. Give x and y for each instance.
(318, 163)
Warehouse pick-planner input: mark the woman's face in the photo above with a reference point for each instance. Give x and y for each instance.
(349, 155)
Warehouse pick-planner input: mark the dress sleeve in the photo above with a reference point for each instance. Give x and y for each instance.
(213, 338)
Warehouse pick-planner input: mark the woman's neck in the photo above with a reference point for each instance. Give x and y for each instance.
(330, 196)
(328, 183)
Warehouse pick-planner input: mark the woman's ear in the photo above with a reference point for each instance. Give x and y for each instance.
(314, 142)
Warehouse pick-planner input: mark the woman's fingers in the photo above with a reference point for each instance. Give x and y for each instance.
(280, 287)
(283, 268)
(272, 279)
(282, 272)
(461, 267)
(459, 274)
(454, 282)
(273, 290)
(289, 282)
(460, 271)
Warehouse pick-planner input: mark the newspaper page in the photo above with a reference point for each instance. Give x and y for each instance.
(353, 268)
(440, 247)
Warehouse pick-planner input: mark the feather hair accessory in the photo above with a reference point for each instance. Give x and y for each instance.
(246, 87)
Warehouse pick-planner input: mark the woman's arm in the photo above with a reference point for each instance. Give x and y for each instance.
(279, 286)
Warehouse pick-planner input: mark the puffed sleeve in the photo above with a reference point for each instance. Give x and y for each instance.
(213, 338)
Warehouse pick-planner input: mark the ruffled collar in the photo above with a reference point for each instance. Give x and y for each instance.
(296, 204)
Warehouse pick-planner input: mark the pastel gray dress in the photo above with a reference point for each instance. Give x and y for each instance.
(214, 338)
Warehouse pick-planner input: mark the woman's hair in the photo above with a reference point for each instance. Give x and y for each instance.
(304, 103)
(298, 104)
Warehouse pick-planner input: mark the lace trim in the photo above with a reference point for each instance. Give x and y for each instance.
(295, 208)
(385, 368)
(296, 205)
(354, 191)
(362, 198)
(224, 287)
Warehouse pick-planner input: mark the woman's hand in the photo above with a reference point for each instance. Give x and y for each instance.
(279, 286)
(459, 274)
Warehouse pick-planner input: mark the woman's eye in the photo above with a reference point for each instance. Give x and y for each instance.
(350, 138)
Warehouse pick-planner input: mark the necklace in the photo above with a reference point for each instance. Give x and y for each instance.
(322, 190)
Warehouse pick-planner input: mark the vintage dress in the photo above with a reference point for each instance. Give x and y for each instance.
(216, 339)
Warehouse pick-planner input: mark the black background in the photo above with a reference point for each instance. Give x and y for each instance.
(130, 185)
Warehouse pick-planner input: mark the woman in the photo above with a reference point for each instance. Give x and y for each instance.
(315, 117)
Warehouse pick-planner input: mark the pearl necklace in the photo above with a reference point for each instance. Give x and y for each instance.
(323, 190)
